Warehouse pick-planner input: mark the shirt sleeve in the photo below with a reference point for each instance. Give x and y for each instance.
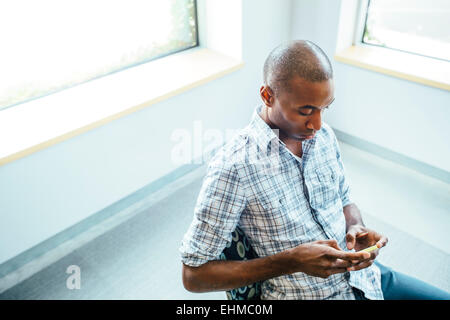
(344, 187)
(217, 212)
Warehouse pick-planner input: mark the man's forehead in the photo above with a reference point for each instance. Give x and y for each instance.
(307, 93)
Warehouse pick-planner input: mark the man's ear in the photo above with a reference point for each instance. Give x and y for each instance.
(266, 95)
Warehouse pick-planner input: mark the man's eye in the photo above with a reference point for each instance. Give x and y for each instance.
(305, 112)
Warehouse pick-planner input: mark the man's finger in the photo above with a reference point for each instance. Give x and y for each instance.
(340, 263)
(350, 239)
(362, 234)
(382, 242)
(360, 266)
(349, 256)
(352, 235)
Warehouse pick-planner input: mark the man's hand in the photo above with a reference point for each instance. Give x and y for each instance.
(359, 237)
(318, 258)
(324, 258)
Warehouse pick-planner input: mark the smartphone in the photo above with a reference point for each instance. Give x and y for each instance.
(369, 249)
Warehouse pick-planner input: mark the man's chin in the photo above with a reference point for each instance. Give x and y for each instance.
(302, 138)
(299, 138)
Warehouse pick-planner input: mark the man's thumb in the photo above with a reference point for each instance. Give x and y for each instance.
(350, 238)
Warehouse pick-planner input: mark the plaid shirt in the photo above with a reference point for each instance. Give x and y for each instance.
(280, 201)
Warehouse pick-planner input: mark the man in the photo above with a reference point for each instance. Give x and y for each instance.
(281, 180)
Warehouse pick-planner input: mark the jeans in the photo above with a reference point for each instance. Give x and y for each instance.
(398, 286)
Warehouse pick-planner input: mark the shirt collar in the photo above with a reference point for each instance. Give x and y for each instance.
(261, 132)
(264, 135)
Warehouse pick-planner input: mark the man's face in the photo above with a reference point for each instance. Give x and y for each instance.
(297, 111)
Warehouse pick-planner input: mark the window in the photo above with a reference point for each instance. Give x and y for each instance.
(50, 45)
(415, 26)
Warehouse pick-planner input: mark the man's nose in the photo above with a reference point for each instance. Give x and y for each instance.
(315, 122)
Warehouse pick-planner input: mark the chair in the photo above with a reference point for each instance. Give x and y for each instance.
(240, 249)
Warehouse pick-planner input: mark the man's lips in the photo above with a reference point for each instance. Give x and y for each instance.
(308, 136)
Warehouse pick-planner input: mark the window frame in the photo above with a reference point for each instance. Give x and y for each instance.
(103, 101)
(133, 65)
(408, 66)
(362, 15)
(363, 7)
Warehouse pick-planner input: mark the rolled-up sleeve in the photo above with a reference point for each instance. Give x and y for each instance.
(217, 212)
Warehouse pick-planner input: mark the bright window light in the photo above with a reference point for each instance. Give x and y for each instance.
(416, 26)
(50, 45)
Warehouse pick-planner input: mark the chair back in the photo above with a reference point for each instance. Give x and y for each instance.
(240, 249)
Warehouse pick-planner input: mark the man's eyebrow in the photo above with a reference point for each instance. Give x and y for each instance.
(313, 107)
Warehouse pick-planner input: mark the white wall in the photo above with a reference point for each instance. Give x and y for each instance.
(49, 191)
(402, 116)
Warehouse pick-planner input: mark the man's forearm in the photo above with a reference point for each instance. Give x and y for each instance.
(352, 215)
(221, 275)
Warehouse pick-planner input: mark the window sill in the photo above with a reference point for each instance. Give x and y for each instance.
(43, 122)
(424, 70)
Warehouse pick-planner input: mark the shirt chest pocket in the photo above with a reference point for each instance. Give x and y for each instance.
(264, 202)
(280, 220)
(325, 186)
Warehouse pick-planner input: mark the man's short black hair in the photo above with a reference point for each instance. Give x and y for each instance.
(300, 57)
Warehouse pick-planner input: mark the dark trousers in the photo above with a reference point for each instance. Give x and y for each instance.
(399, 286)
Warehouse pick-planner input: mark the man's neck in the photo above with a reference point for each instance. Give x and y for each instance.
(295, 146)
